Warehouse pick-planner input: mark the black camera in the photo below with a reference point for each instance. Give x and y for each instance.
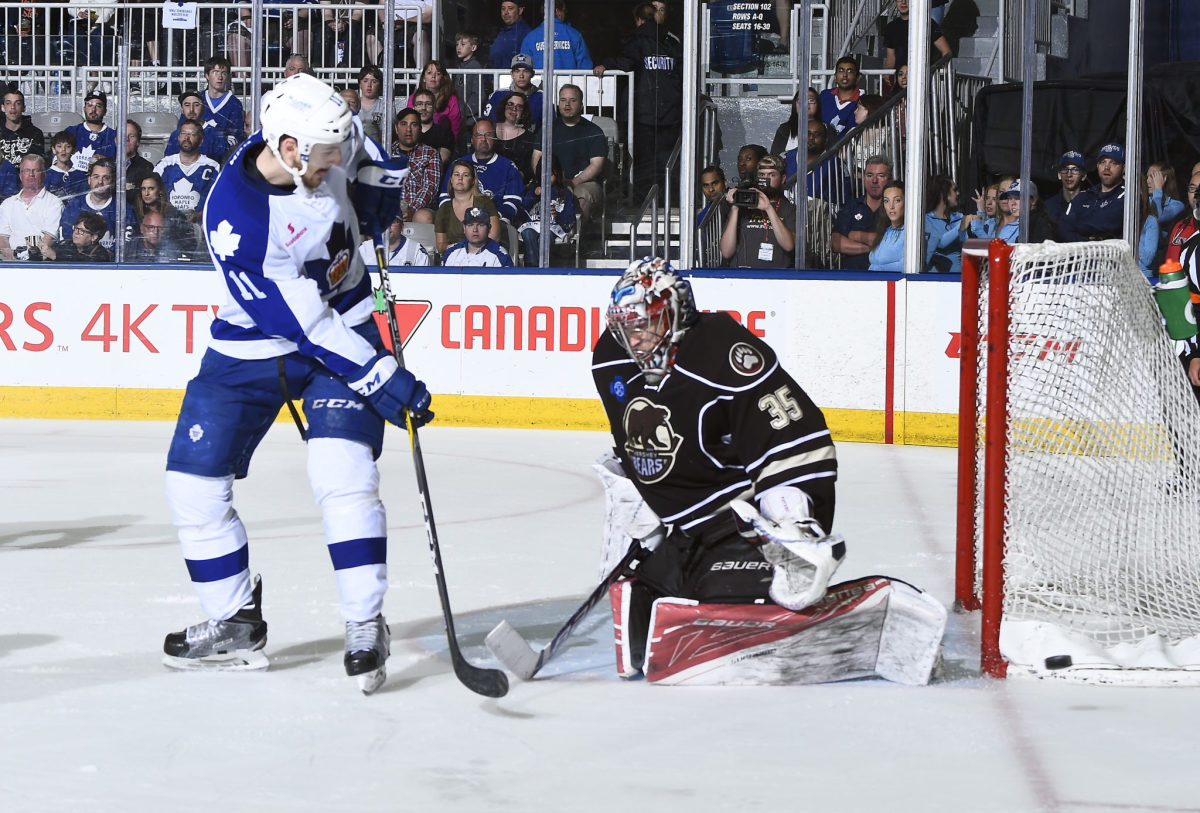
(747, 195)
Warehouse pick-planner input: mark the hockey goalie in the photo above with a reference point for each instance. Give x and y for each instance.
(727, 464)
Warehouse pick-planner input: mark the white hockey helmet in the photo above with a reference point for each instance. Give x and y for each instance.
(308, 110)
(652, 305)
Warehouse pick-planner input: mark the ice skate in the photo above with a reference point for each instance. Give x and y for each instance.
(234, 644)
(368, 644)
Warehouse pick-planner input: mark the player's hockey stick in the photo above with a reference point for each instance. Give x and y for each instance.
(515, 652)
(487, 682)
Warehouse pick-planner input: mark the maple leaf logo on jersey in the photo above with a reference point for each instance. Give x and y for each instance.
(83, 158)
(184, 195)
(650, 440)
(224, 242)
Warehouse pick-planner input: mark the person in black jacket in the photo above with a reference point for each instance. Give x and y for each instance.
(18, 135)
(655, 55)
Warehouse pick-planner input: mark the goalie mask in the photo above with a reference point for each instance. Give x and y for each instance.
(650, 310)
(311, 112)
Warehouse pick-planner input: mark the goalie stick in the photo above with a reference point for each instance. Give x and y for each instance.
(514, 651)
(487, 682)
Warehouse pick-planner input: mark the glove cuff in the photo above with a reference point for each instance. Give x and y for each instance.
(785, 502)
(366, 380)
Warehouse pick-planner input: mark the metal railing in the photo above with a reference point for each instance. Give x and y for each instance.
(885, 132)
(708, 241)
(1012, 36)
(57, 55)
(649, 205)
(669, 173)
(851, 20)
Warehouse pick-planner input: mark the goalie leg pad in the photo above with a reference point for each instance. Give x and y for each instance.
(631, 603)
(868, 627)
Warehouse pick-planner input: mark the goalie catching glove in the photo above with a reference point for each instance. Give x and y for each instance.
(803, 556)
(392, 390)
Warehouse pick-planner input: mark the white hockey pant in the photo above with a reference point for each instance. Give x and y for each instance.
(345, 483)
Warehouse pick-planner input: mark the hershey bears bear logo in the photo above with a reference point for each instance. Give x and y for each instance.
(745, 360)
(650, 440)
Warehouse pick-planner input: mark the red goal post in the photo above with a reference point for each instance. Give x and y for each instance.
(1079, 469)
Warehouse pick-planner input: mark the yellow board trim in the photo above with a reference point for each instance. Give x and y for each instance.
(120, 403)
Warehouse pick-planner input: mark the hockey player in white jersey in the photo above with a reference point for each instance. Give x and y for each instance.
(283, 231)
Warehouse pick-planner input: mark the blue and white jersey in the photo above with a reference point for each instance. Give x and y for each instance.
(225, 116)
(213, 144)
(500, 180)
(66, 183)
(491, 255)
(187, 184)
(837, 113)
(72, 209)
(290, 263)
(90, 145)
(405, 253)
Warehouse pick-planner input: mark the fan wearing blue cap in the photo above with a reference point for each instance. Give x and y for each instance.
(1098, 213)
(1072, 173)
(1039, 226)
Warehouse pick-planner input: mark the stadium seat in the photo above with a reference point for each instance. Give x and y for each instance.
(156, 126)
(512, 242)
(55, 121)
(151, 152)
(424, 234)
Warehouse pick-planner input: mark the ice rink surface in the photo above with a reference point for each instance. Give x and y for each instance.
(91, 579)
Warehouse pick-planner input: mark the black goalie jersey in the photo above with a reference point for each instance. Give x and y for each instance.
(727, 422)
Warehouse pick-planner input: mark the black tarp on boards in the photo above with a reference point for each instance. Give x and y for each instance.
(1084, 115)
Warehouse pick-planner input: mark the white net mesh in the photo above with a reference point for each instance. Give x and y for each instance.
(1102, 558)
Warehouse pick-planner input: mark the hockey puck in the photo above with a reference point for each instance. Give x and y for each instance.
(1058, 661)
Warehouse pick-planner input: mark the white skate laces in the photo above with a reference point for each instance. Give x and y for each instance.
(366, 636)
(804, 557)
(368, 644)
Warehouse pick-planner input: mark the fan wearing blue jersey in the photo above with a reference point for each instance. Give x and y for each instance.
(93, 138)
(212, 143)
(281, 227)
(187, 175)
(223, 111)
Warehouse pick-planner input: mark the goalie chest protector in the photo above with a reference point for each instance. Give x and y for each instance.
(727, 421)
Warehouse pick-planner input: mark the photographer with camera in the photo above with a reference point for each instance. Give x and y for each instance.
(757, 234)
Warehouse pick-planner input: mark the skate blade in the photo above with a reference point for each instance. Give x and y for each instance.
(369, 682)
(240, 660)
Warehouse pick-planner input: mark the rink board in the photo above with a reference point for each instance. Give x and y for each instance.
(878, 352)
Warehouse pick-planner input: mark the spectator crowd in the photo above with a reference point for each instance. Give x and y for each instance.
(471, 148)
(475, 148)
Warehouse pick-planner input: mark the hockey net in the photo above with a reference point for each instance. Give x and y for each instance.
(1079, 469)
